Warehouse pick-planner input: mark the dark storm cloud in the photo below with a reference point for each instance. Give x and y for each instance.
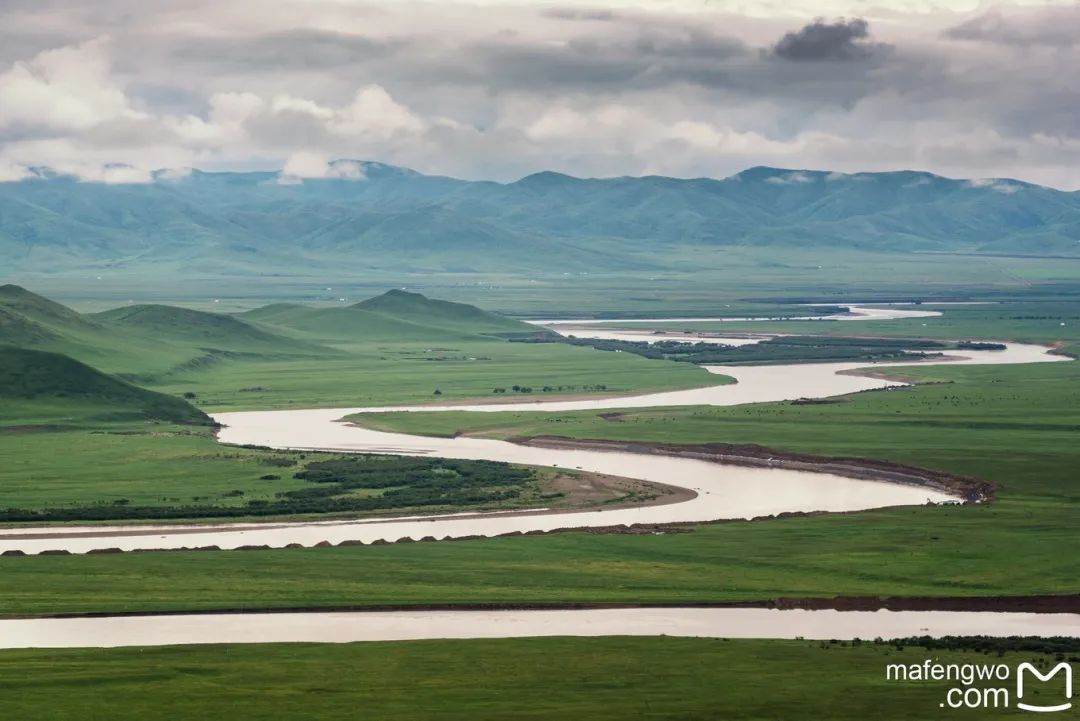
(638, 58)
(820, 40)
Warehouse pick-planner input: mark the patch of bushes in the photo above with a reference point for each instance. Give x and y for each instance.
(773, 350)
(277, 461)
(335, 486)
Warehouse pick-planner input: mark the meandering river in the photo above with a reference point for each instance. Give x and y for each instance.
(722, 492)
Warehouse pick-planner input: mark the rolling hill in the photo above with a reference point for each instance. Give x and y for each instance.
(156, 344)
(30, 319)
(417, 308)
(392, 348)
(138, 341)
(396, 315)
(400, 220)
(208, 330)
(30, 375)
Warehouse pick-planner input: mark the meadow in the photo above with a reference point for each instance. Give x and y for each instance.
(1013, 425)
(84, 438)
(541, 678)
(410, 372)
(395, 348)
(1032, 321)
(689, 281)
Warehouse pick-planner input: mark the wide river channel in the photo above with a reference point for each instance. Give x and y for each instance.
(722, 492)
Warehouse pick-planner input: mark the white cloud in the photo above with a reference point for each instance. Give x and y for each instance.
(66, 89)
(289, 104)
(998, 184)
(109, 174)
(794, 178)
(672, 87)
(374, 114)
(303, 166)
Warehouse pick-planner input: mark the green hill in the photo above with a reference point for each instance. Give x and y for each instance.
(142, 341)
(417, 308)
(29, 319)
(220, 331)
(31, 375)
(347, 324)
(393, 316)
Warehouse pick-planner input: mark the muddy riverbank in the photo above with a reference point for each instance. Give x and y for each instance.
(972, 490)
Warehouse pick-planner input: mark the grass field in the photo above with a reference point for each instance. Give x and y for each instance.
(85, 469)
(696, 283)
(1015, 426)
(72, 435)
(556, 678)
(410, 372)
(1012, 425)
(1006, 549)
(158, 465)
(396, 348)
(1035, 321)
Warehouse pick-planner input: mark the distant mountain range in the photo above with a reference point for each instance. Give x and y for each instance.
(398, 219)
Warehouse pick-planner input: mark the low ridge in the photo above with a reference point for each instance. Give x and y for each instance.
(188, 324)
(36, 375)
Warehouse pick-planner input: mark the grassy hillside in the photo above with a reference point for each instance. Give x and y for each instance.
(76, 440)
(394, 315)
(416, 308)
(141, 341)
(348, 325)
(29, 319)
(29, 375)
(397, 347)
(194, 326)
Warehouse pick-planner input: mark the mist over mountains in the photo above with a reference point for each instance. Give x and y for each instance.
(388, 217)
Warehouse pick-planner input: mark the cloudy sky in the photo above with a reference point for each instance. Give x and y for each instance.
(501, 89)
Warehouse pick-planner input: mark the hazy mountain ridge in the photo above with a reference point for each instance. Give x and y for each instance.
(397, 218)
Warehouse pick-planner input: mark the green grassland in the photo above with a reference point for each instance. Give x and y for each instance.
(409, 372)
(81, 445)
(73, 436)
(1035, 321)
(69, 462)
(999, 550)
(1014, 425)
(118, 464)
(542, 678)
(395, 348)
(688, 281)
